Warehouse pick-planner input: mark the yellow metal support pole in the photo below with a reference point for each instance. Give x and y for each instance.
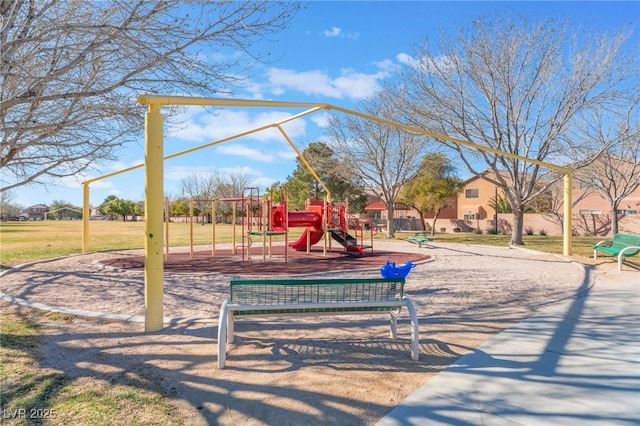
(154, 192)
(191, 228)
(233, 229)
(325, 226)
(167, 211)
(85, 218)
(568, 185)
(305, 162)
(213, 227)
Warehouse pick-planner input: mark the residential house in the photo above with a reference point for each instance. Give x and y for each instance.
(590, 212)
(36, 212)
(475, 209)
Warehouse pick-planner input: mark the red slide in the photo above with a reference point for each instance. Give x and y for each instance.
(315, 235)
(311, 219)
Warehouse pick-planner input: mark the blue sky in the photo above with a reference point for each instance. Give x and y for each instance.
(333, 52)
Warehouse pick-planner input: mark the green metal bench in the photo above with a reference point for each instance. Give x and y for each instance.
(622, 245)
(283, 297)
(419, 238)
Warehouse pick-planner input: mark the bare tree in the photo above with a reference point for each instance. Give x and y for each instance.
(201, 185)
(608, 160)
(615, 174)
(231, 186)
(8, 208)
(379, 156)
(517, 87)
(71, 71)
(204, 187)
(233, 183)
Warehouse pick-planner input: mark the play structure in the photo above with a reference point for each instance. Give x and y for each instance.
(321, 219)
(268, 215)
(263, 217)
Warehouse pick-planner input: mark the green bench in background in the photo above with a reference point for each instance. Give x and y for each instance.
(419, 238)
(622, 245)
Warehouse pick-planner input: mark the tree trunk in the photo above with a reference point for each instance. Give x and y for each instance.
(435, 218)
(422, 221)
(614, 218)
(518, 225)
(390, 225)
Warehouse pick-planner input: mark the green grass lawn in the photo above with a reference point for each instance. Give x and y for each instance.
(22, 242)
(580, 247)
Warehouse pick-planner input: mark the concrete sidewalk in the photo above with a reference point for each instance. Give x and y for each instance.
(578, 362)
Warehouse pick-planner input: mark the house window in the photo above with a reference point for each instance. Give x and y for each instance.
(472, 193)
(627, 212)
(469, 217)
(587, 212)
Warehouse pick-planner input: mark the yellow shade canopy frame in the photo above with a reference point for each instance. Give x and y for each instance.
(154, 178)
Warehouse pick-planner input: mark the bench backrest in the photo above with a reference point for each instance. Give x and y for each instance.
(626, 240)
(277, 291)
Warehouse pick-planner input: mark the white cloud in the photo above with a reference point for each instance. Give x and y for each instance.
(240, 170)
(350, 84)
(206, 127)
(102, 184)
(244, 151)
(426, 64)
(333, 32)
(289, 154)
(263, 182)
(258, 179)
(387, 65)
(406, 59)
(337, 32)
(321, 120)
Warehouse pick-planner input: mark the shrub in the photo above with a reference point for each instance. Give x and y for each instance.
(529, 231)
(477, 231)
(543, 232)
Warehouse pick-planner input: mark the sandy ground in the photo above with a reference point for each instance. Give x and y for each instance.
(304, 370)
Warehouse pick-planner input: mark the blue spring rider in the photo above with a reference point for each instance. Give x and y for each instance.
(390, 270)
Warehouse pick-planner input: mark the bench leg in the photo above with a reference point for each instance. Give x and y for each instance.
(393, 323)
(620, 260)
(222, 334)
(415, 331)
(230, 327)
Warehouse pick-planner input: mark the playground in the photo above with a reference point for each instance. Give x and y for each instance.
(331, 239)
(316, 261)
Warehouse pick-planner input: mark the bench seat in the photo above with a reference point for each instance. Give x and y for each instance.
(284, 297)
(419, 238)
(622, 245)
